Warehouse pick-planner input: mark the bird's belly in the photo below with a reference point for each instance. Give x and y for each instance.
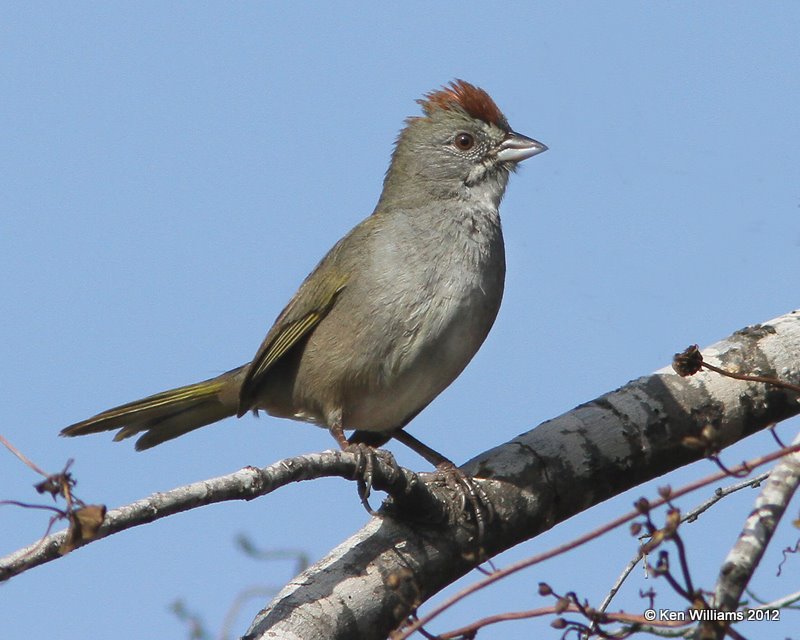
(395, 340)
(409, 384)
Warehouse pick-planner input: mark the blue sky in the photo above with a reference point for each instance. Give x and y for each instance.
(171, 172)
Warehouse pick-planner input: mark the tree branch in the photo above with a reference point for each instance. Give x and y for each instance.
(746, 553)
(408, 489)
(690, 516)
(372, 582)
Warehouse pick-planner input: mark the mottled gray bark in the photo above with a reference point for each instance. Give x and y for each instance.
(369, 584)
(365, 587)
(245, 484)
(759, 527)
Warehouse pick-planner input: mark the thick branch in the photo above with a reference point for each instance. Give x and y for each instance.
(370, 583)
(746, 553)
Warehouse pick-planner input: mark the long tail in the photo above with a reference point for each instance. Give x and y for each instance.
(168, 414)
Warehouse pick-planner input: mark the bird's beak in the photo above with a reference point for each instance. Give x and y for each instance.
(515, 148)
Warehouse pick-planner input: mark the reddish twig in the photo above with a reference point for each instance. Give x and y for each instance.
(22, 457)
(620, 617)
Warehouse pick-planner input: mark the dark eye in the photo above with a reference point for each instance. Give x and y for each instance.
(464, 141)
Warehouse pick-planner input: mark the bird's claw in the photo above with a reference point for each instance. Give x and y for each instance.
(366, 457)
(471, 496)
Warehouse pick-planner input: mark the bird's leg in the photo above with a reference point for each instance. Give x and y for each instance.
(456, 479)
(338, 433)
(431, 455)
(365, 453)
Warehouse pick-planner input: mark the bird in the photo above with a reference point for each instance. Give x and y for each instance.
(396, 309)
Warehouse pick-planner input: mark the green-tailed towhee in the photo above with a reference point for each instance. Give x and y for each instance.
(396, 309)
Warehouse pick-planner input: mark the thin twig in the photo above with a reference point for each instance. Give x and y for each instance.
(406, 488)
(622, 577)
(690, 516)
(27, 461)
(722, 492)
(775, 382)
(622, 617)
(781, 603)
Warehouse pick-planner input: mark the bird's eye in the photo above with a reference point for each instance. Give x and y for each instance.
(464, 141)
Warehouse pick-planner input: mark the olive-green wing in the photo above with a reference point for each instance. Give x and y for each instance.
(306, 310)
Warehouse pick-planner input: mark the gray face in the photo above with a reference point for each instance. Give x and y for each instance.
(442, 155)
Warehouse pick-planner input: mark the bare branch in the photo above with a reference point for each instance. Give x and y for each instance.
(783, 602)
(372, 582)
(690, 516)
(722, 492)
(407, 488)
(23, 458)
(630, 619)
(746, 553)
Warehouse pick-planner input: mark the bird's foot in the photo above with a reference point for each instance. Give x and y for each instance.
(366, 455)
(366, 460)
(472, 499)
